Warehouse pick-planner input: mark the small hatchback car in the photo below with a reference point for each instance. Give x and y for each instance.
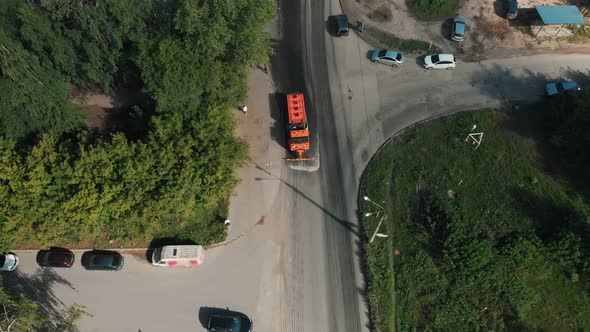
(439, 61)
(458, 33)
(102, 260)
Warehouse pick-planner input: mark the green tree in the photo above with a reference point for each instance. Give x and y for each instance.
(19, 314)
(32, 99)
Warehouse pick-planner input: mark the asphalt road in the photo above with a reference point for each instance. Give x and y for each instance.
(300, 272)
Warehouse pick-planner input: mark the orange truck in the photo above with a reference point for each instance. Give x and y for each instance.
(299, 143)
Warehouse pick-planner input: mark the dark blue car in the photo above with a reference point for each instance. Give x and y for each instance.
(102, 260)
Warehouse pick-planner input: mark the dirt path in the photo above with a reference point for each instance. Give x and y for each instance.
(488, 34)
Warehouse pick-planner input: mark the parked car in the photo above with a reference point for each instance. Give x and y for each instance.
(102, 260)
(388, 57)
(55, 258)
(512, 9)
(555, 88)
(229, 323)
(339, 25)
(439, 61)
(8, 261)
(459, 25)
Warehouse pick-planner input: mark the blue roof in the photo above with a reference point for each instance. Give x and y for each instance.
(560, 15)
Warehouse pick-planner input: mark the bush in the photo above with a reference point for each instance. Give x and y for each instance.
(433, 8)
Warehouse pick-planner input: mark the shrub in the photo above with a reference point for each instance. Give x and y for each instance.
(433, 8)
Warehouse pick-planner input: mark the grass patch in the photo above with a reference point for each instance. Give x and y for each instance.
(433, 8)
(488, 240)
(526, 29)
(581, 33)
(390, 41)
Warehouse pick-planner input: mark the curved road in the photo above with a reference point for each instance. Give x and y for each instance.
(354, 107)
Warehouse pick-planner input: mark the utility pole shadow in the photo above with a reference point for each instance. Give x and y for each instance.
(349, 226)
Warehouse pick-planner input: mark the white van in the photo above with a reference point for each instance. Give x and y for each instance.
(184, 255)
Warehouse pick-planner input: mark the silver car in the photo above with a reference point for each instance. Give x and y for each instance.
(388, 57)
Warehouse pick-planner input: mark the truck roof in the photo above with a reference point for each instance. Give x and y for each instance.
(296, 108)
(182, 251)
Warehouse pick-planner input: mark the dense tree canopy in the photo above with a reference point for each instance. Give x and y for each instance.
(69, 185)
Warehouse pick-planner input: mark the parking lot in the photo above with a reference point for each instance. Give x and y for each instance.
(144, 298)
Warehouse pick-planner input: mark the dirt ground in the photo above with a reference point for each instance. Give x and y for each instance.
(488, 31)
(95, 103)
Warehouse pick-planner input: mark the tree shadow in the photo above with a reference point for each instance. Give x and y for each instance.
(278, 115)
(550, 219)
(430, 223)
(38, 287)
(540, 121)
(502, 84)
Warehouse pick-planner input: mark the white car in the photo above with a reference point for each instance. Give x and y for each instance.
(8, 262)
(439, 61)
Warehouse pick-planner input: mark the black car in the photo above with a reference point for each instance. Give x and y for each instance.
(55, 258)
(229, 323)
(339, 25)
(102, 260)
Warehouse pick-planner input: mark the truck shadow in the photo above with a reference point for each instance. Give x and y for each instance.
(278, 117)
(347, 225)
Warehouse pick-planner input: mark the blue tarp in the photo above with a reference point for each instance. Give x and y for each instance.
(560, 15)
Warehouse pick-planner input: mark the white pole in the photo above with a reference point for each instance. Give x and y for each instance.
(383, 216)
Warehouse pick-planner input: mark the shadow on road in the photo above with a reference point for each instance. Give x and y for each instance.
(537, 118)
(344, 223)
(278, 115)
(502, 84)
(38, 287)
